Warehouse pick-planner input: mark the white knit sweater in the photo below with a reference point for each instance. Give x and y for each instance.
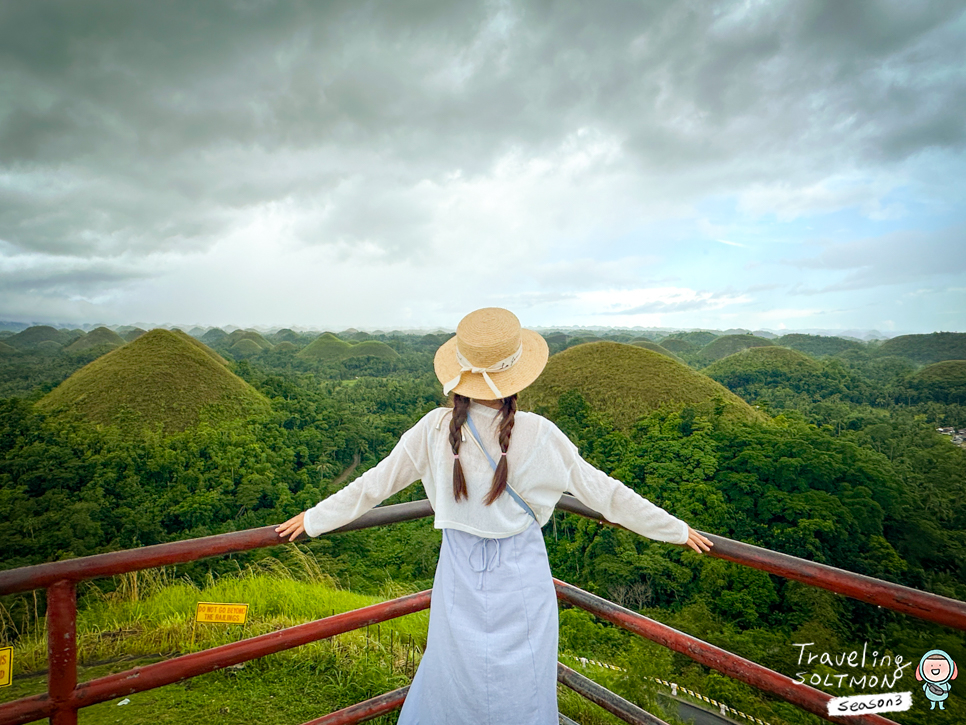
(542, 462)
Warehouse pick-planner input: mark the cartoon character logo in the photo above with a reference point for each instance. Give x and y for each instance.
(935, 670)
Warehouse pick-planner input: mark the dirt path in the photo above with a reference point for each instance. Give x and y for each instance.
(356, 460)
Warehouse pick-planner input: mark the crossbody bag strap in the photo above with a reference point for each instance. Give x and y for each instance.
(509, 489)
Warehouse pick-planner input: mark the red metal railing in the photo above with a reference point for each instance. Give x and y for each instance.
(64, 696)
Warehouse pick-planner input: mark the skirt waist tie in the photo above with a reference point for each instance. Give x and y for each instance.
(488, 560)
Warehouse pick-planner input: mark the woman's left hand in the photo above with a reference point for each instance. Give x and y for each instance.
(698, 542)
(294, 526)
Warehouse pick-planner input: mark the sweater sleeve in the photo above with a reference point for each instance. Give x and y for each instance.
(615, 501)
(391, 475)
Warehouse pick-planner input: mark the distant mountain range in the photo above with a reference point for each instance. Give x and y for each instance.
(198, 330)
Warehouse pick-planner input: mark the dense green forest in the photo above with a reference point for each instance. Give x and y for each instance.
(838, 461)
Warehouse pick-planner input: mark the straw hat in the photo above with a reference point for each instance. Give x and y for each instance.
(491, 357)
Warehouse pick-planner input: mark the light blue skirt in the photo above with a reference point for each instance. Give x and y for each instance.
(491, 652)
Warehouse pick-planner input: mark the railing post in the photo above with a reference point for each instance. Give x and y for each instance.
(62, 650)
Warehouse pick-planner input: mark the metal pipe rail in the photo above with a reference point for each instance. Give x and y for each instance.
(63, 706)
(600, 695)
(720, 660)
(923, 605)
(919, 604)
(64, 696)
(365, 710)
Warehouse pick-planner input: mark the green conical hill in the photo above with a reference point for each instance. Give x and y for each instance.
(654, 347)
(583, 340)
(214, 336)
(239, 335)
(371, 347)
(285, 346)
(47, 347)
(923, 349)
(818, 345)
(287, 335)
(763, 365)
(948, 371)
(626, 382)
(5, 349)
(245, 348)
(325, 347)
(33, 336)
(160, 378)
(133, 334)
(329, 347)
(96, 338)
(678, 346)
(201, 346)
(729, 345)
(698, 338)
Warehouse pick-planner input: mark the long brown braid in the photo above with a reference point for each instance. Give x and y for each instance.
(461, 405)
(509, 410)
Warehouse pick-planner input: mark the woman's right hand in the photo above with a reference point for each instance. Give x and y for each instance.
(294, 526)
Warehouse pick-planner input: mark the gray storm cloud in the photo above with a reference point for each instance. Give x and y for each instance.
(133, 129)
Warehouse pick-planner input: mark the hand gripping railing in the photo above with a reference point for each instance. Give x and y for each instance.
(64, 696)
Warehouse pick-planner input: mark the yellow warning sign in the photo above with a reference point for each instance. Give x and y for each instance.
(224, 613)
(6, 666)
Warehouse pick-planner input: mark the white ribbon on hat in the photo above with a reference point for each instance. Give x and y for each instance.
(467, 367)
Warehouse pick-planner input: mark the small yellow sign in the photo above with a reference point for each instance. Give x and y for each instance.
(6, 666)
(223, 613)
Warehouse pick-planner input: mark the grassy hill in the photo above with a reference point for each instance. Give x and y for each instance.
(626, 382)
(285, 346)
(99, 337)
(33, 336)
(329, 347)
(325, 347)
(239, 335)
(949, 371)
(47, 347)
(214, 336)
(245, 348)
(6, 349)
(678, 346)
(729, 345)
(201, 346)
(654, 347)
(771, 365)
(133, 334)
(698, 338)
(287, 335)
(926, 349)
(943, 382)
(371, 347)
(818, 345)
(159, 379)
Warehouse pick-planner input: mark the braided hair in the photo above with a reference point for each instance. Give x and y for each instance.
(461, 406)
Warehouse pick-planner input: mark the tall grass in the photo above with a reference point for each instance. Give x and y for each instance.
(150, 613)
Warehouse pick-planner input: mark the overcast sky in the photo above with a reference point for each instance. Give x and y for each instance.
(331, 164)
